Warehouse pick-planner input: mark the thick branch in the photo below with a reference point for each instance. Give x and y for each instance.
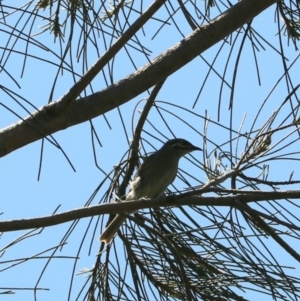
(188, 199)
(61, 114)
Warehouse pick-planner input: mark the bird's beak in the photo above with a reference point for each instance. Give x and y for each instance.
(197, 148)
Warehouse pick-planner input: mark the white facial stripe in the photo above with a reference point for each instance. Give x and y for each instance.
(181, 145)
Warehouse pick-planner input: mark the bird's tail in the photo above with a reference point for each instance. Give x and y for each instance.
(110, 231)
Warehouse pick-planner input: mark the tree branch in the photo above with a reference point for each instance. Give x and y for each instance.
(256, 219)
(63, 114)
(187, 199)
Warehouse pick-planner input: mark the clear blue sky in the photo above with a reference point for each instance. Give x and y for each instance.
(24, 197)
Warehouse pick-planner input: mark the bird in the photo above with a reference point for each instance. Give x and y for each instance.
(153, 177)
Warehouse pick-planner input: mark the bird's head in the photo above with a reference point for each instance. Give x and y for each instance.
(179, 147)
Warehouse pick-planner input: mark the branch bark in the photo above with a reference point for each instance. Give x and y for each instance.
(63, 114)
(187, 199)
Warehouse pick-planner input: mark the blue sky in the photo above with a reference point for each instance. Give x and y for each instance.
(24, 197)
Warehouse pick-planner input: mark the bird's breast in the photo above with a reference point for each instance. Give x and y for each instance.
(153, 181)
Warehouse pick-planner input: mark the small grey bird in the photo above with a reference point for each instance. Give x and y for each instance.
(153, 177)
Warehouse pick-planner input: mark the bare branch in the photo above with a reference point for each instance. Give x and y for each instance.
(61, 115)
(186, 199)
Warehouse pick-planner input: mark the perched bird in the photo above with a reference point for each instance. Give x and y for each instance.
(153, 177)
